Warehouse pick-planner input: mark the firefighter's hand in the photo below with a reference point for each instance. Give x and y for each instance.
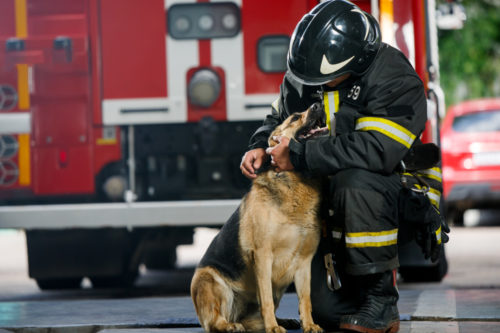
(431, 236)
(252, 161)
(280, 154)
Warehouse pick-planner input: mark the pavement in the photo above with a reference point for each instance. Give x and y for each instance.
(433, 310)
(468, 299)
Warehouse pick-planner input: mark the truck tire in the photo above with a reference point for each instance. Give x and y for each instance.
(65, 283)
(431, 273)
(158, 250)
(455, 217)
(161, 257)
(59, 259)
(121, 281)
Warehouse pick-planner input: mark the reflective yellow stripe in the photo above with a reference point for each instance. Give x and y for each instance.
(24, 160)
(408, 174)
(371, 239)
(24, 155)
(432, 173)
(22, 69)
(388, 128)
(326, 102)
(438, 235)
(331, 108)
(22, 87)
(433, 195)
(104, 142)
(21, 19)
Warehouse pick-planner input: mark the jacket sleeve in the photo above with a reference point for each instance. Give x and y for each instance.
(393, 117)
(293, 97)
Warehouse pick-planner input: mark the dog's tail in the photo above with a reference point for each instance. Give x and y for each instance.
(213, 301)
(254, 322)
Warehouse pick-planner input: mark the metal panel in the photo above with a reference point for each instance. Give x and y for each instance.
(137, 214)
(63, 170)
(133, 49)
(278, 18)
(137, 111)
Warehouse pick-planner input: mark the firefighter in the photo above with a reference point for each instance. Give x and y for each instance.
(376, 109)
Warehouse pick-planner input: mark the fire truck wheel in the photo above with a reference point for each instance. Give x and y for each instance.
(160, 257)
(159, 245)
(431, 273)
(66, 283)
(111, 182)
(122, 281)
(455, 216)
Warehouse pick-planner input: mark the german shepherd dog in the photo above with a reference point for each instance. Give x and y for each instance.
(267, 244)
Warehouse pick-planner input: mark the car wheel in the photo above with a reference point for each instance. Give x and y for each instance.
(455, 217)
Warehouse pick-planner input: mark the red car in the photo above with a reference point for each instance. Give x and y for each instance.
(470, 143)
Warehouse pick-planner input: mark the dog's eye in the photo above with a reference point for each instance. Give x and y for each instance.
(296, 117)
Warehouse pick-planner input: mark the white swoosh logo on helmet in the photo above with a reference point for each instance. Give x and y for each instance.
(327, 68)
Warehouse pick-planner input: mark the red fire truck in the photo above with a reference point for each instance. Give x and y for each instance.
(123, 123)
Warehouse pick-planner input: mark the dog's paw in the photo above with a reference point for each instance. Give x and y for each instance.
(276, 329)
(313, 329)
(235, 327)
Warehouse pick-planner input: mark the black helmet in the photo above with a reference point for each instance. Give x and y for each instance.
(334, 38)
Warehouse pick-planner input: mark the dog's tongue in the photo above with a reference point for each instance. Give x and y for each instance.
(318, 130)
(315, 131)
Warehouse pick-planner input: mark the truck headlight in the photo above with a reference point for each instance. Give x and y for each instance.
(204, 88)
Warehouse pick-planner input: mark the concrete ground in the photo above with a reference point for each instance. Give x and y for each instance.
(468, 300)
(433, 310)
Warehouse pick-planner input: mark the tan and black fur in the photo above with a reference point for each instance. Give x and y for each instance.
(267, 244)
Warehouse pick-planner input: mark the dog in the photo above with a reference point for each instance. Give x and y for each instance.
(267, 244)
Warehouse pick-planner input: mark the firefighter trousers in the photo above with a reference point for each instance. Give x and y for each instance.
(364, 216)
(365, 220)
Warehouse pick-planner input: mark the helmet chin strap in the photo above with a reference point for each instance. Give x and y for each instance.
(335, 82)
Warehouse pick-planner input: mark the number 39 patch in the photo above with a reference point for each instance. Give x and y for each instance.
(354, 92)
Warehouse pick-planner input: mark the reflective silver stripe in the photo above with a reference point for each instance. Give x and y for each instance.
(336, 234)
(371, 239)
(434, 197)
(386, 127)
(276, 104)
(433, 173)
(438, 235)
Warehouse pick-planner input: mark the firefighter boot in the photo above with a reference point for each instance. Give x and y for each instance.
(379, 312)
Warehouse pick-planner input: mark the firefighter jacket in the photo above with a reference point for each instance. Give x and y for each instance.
(374, 119)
